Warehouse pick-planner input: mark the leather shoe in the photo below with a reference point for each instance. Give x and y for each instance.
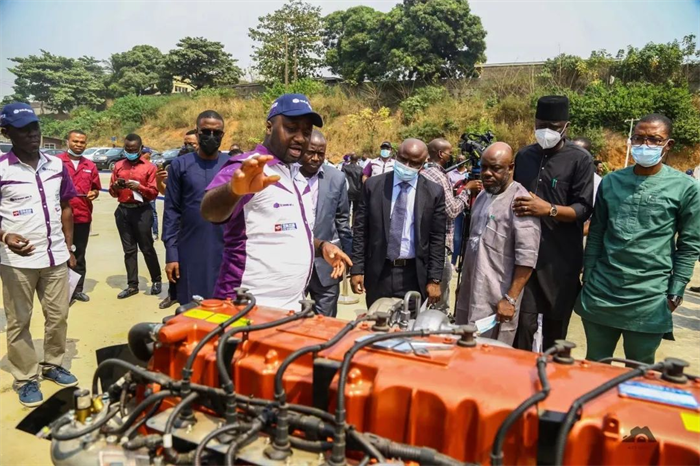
(695, 289)
(156, 288)
(80, 296)
(167, 302)
(128, 292)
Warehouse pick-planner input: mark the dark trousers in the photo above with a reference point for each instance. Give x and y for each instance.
(154, 228)
(81, 234)
(393, 282)
(134, 225)
(555, 322)
(601, 341)
(172, 291)
(457, 242)
(326, 297)
(354, 205)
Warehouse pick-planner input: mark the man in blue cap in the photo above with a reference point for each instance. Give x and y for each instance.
(36, 249)
(269, 246)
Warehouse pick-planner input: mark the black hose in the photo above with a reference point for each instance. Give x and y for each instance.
(338, 454)
(187, 369)
(139, 409)
(366, 445)
(578, 403)
(155, 377)
(499, 440)
(140, 340)
(256, 426)
(315, 446)
(170, 453)
(211, 436)
(421, 455)
(154, 409)
(56, 435)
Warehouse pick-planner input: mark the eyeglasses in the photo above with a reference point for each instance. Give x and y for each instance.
(211, 132)
(650, 141)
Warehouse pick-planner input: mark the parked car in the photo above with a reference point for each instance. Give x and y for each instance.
(5, 147)
(53, 151)
(91, 152)
(165, 159)
(109, 159)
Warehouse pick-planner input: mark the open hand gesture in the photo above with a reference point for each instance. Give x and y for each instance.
(250, 179)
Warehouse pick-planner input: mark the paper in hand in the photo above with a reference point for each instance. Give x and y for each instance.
(73, 279)
(485, 324)
(137, 196)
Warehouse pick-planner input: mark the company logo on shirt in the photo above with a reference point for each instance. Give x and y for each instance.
(285, 226)
(21, 198)
(19, 213)
(277, 205)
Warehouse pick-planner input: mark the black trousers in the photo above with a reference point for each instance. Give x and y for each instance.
(393, 282)
(326, 297)
(134, 225)
(81, 234)
(172, 291)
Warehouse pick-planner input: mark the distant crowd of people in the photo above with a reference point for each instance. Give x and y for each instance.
(283, 222)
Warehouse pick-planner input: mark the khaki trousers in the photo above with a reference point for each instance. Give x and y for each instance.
(18, 287)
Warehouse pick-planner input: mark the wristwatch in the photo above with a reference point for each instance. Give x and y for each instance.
(553, 211)
(435, 281)
(73, 248)
(512, 301)
(675, 299)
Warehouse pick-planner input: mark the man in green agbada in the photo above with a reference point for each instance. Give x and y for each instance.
(642, 246)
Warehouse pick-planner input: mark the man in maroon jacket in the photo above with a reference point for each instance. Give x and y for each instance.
(86, 180)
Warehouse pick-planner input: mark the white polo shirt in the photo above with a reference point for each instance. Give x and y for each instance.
(378, 166)
(268, 241)
(30, 205)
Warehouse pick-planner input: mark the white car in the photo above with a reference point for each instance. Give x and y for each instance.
(91, 152)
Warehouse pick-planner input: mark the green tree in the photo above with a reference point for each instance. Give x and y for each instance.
(657, 63)
(431, 39)
(60, 83)
(289, 42)
(139, 71)
(203, 63)
(350, 39)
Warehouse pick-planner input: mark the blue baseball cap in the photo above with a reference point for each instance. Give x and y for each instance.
(17, 115)
(146, 150)
(293, 105)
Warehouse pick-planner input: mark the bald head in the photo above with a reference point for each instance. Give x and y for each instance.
(314, 156)
(317, 137)
(497, 167)
(440, 152)
(413, 153)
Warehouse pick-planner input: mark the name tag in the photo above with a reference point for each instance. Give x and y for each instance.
(285, 226)
(18, 213)
(87, 171)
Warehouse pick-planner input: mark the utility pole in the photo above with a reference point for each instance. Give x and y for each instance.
(286, 61)
(629, 137)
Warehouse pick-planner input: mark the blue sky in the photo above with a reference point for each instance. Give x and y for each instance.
(518, 30)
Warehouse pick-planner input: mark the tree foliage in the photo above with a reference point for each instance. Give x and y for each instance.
(351, 41)
(139, 71)
(60, 83)
(203, 63)
(289, 42)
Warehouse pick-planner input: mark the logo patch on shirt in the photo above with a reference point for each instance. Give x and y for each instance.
(87, 171)
(277, 205)
(21, 198)
(19, 213)
(285, 226)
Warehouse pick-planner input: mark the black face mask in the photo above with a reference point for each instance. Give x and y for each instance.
(209, 143)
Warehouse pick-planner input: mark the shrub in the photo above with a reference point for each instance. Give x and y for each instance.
(304, 86)
(415, 105)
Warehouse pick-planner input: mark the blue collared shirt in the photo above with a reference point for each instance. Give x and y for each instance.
(408, 249)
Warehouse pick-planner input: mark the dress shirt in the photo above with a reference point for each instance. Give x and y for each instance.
(85, 178)
(308, 187)
(408, 249)
(139, 170)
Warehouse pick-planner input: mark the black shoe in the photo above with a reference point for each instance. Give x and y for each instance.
(695, 289)
(80, 296)
(156, 288)
(167, 302)
(128, 292)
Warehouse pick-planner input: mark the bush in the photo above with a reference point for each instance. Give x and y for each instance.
(415, 105)
(304, 86)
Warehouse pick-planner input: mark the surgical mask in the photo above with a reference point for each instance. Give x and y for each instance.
(209, 143)
(547, 138)
(647, 156)
(187, 148)
(74, 154)
(385, 153)
(404, 172)
(130, 156)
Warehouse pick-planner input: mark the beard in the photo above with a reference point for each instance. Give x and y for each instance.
(495, 189)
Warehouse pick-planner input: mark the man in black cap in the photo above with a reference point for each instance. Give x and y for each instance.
(559, 176)
(382, 164)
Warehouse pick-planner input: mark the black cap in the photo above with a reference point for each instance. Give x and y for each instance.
(553, 108)
(385, 144)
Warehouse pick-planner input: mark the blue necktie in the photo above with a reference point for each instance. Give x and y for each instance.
(398, 217)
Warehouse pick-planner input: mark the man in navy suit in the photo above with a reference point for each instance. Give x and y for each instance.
(325, 198)
(399, 231)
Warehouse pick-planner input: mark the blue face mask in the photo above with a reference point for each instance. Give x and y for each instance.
(405, 173)
(647, 156)
(385, 153)
(132, 157)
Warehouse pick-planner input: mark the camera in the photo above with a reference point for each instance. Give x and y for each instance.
(472, 146)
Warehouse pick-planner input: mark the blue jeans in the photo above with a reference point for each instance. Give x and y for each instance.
(154, 229)
(457, 243)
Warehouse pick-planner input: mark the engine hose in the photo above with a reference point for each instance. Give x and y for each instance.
(141, 340)
(499, 440)
(149, 441)
(171, 454)
(139, 409)
(154, 409)
(570, 419)
(256, 426)
(56, 435)
(187, 369)
(366, 445)
(211, 436)
(314, 446)
(421, 455)
(365, 461)
(155, 377)
(338, 451)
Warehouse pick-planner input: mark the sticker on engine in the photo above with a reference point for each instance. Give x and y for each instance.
(659, 394)
(198, 314)
(691, 422)
(221, 318)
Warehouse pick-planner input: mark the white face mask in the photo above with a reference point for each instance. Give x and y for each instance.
(548, 138)
(74, 154)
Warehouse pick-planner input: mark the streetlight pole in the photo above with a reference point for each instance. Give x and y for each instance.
(629, 138)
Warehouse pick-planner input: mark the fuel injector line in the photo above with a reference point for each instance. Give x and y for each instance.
(281, 447)
(578, 403)
(338, 452)
(139, 409)
(499, 440)
(170, 453)
(57, 435)
(211, 436)
(155, 377)
(256, 426)
(224, 379)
